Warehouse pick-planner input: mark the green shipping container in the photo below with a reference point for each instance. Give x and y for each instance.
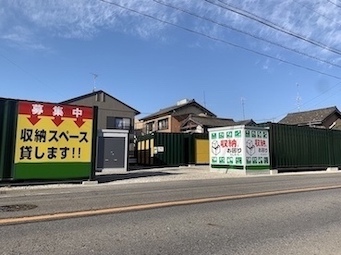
(301, 148)
(168, 149)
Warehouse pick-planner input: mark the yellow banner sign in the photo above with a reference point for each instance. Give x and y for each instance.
(53, 133)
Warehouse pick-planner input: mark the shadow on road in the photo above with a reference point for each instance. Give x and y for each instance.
(130, 175)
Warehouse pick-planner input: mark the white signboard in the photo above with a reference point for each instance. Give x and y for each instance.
(226, 147)
(257, 147)
(239, 147)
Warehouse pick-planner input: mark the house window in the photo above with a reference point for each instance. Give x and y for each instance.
(149, 127)
(162, 124)
(118, 123)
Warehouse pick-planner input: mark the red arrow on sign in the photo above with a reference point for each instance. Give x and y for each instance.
(33, 119)
(79, 122)
(57, 120)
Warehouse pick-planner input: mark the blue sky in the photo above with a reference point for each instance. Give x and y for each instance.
(48, 50)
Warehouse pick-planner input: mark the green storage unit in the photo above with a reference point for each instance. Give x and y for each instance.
(170, 149)
(201, 149)
(291, 148)
(294, 147)
(335, 148)
(167, 149)
(144, 152)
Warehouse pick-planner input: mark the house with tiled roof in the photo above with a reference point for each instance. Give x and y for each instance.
(200, 123)
(170, 119)
(112, 112)
(329, 118)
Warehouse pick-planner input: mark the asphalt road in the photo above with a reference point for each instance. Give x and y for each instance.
(297, 223)
(80, 198)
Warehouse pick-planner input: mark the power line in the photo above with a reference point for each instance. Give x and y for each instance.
(246, 33)
(226, 26)
(220, 40)
(327, 98)
(305, 103)
(318, 13)
(270, 24)
(334, 3)
(30, 74)
(223, 41)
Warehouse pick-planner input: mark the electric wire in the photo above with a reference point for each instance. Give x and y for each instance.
(43, 84)
(246, 33)
(318, 13)
(339, 6)
(217, 39)
(305, 103)
(270, 24)
(220, 40)
(257, 37)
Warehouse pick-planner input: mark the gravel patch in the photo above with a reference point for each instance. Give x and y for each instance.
(163, 174)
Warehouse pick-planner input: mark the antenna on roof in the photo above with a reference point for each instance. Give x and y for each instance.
(298, 98)
(204, 99)
(94, 85)
(242, 99)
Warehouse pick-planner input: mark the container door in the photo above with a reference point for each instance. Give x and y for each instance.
(114, 152)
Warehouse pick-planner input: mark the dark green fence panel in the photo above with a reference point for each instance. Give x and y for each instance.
(291, 147)
(8, 113)
(335, 148)
(2, 149)
(167, 149)
(304, 147)
(173, 147)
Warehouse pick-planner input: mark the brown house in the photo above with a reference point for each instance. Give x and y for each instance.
(170, 119)
(200, 123)
(112, 113)
(329, 118)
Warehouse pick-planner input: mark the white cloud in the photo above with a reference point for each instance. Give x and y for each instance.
(81, 19)
(266, 64)
(23, 38)
(25, 22)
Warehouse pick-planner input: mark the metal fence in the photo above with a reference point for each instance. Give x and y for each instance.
(294, 147)
(171, 149)
(291, 148)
